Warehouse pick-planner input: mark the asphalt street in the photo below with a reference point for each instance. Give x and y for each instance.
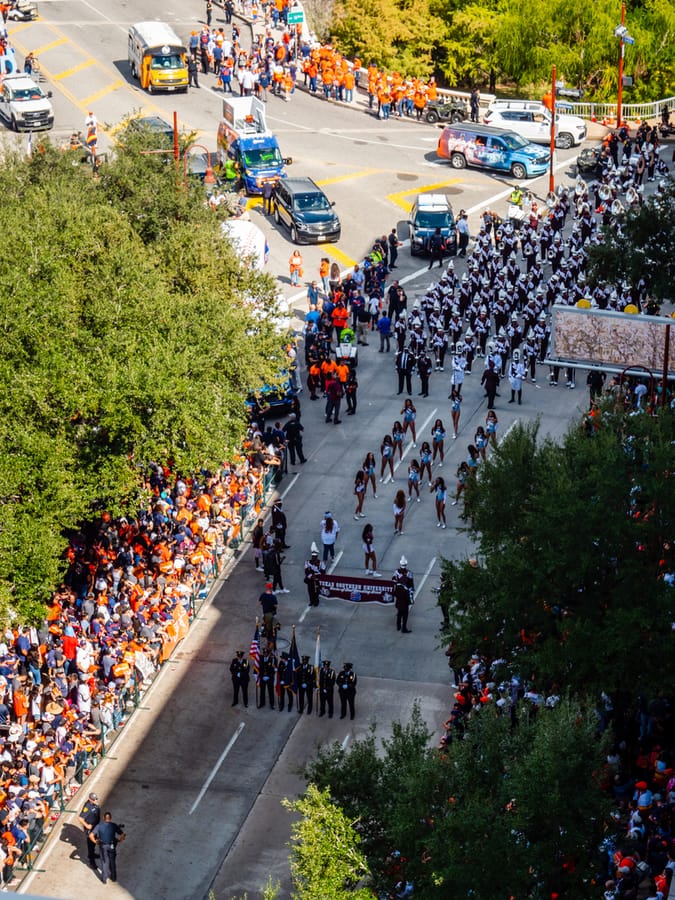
(196, 782)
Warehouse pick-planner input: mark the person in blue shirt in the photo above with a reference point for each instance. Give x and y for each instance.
(384, 327)
(107, 835)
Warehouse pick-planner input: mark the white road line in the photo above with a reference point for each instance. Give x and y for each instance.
(409, 447)
(345, 741)
(509, 429)
(419, 587)
(214, 770)
(293, 480)
(304, 613)
(335, 562)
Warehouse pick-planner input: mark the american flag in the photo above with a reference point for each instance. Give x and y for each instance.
(254, 653)
(294, 660)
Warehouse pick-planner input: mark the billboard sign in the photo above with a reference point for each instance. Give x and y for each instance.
(611, 340)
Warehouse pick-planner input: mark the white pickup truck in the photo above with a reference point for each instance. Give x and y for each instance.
(24, 105)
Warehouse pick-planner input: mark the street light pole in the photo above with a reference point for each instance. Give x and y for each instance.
(551, 177)
(621, 53)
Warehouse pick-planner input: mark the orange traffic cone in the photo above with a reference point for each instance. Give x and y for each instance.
(593, 118)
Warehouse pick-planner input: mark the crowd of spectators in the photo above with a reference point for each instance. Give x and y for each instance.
(126, 600)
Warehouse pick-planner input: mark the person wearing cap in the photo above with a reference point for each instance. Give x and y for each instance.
(285, 682)
(89, 817)
(313, 571)
(268, 605)
(268, 668)
(107, 835)
(240, 672)
(293, 431)
(306, 685)
(327, 678)
(346, 682)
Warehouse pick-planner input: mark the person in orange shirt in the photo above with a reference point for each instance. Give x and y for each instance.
(295, 267)
(432, 89)
(357, 71)
(340, 317)
(420, 102)
(327, 77)
(324, 271)
(350, 81)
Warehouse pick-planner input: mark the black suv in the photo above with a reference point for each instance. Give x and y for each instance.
(445, 111)
(302, 206)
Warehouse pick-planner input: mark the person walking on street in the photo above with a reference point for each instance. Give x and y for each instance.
(209, 12)
(474, 103)
(440, 496)
(402, 603)
(106, 836)
(346, 682)
(409, 414)
(359, 493)
(193, 72)
(240, 672)
(313, 571)
(268, 191)
(329, 535)
(293, 430)
(268, 608)
(424, 370)
(327, 679)
(425, 462)
(463, 233)
(414, 480)
(368, 467)
(383, 325)
(491, 423)
(350, 391)
(398, 507)
(295, 267)
(333, 399)
(306, 685)
(437, 439)
(285, 687)
(455, 411)
(516, 375)
(89, 817)
(268, 667)
(394, 244)
(279, 523)
(404, 367)
(436, 248)
(387, 454)
(491, 381)
(367, 542)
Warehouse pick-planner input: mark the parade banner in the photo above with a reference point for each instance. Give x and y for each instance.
(611, 339)
(358, 590)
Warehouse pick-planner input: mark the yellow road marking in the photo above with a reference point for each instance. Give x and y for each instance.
(45, 47)
(15, 29)
(336, 253)
(399, 197)
(78, 68)
(77, 103)
(108, 89)
(337, 178)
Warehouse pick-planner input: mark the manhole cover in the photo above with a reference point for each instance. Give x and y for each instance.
(407, 176)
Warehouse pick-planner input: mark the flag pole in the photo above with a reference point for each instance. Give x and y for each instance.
(295, 671)
(317, 667)
(257, 674)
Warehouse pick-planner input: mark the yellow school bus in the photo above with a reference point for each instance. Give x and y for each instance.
(158, 57)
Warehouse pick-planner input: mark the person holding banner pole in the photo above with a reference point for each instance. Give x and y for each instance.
(317, 664)
(254, 656)
(327, 679)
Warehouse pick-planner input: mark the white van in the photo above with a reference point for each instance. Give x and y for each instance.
(532, 120)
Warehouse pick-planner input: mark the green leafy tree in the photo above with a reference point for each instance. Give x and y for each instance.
(326, 860)
(569, 588)
(641, 246)
(131, 333)
(527, 796)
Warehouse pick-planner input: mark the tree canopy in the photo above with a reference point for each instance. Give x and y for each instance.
(641, 246)
(503, 806)
(131, 333)
(490, 41)
(574, 540)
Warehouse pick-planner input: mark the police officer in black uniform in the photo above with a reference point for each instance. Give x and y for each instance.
(285, 682)
(268, 666)
(306, 685)
(327, 678)
(346, 682)
(240, 671)
(107, 835)
(89, 818)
